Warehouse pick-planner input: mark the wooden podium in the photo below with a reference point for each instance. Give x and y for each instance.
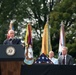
(11, 58)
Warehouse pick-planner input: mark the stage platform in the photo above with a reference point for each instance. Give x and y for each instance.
(48, 69)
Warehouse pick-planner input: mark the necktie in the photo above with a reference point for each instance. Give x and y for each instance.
(64, 60)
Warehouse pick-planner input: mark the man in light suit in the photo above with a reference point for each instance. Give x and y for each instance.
(51, 57)
(11, 40)
(65, 59)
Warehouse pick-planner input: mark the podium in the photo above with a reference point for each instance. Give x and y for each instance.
(11, 58)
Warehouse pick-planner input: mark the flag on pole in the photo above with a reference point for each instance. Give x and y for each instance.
(28, 46)
(28, 36)
(62, 38)
(46, 45)
(10, 27)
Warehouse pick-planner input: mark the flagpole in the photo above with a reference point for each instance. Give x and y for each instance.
(48, 4)
(48, 19)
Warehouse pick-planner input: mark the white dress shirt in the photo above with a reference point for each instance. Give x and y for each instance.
(54, 60)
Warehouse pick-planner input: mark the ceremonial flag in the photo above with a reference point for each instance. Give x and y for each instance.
(28, 46)
(28, 36)
(10, 27)
(62, 38)
(46, 45)
(43, 59)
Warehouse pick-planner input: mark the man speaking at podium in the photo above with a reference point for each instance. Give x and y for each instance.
(11, 40)
(13, 65)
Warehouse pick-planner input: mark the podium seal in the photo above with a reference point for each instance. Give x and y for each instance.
(10, 51)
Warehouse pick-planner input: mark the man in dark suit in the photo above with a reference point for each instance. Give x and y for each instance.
(11, 40)
(65, 59)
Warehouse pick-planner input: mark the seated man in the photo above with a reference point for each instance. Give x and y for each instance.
(65, 59)
(51, 57)
(11, 40)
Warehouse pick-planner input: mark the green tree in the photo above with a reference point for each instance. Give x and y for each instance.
(64, 11)
(8, 11)
(20, 10)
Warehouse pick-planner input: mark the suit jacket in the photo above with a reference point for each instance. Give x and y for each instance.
(69, 60)
(12, 41)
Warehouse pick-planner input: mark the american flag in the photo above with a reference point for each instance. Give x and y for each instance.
(43, 59)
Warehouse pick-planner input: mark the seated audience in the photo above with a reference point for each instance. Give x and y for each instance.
(65, 59)
(51, 57)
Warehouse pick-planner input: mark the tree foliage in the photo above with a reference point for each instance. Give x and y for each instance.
(20, 10)
(64, 11)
